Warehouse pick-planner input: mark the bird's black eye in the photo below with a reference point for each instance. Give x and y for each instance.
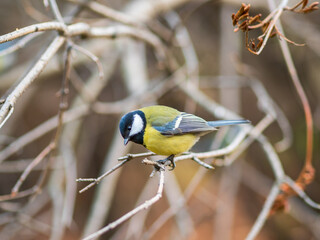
(129, 128)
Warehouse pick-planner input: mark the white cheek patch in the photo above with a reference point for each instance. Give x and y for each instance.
(177, 124)
(137, 125)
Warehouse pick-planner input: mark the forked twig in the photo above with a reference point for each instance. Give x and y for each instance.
(301, 193)
(269, 28)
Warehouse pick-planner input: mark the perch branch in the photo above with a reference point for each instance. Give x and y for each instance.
(97, 180)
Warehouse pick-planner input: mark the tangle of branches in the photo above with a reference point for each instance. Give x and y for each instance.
(100, 61)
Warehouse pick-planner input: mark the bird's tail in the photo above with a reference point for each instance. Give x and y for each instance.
(221, 123)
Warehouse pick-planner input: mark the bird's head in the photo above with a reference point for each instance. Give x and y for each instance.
(132, 126)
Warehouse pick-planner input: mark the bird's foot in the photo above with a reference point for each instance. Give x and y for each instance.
(169, 161)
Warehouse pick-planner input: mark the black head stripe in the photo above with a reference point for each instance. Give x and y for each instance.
(126, 124)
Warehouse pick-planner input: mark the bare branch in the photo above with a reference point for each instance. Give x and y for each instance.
(42, 129)
(128, 215)
(97, 180)
(264, 212)
(108, 12)
(159, 37)
(29, 78)
(39, 27)
(138, 155)
(19, 44)
(201, 163)
(21, 194)
(27, 171)
(93, 57)
(55, 10)
(180, 203)
(301, 193)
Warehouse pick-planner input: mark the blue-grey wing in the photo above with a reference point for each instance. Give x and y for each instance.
(185, 123)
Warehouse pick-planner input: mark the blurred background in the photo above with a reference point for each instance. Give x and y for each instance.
(197, 203)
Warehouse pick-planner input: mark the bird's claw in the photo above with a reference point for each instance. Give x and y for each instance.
(169, 161)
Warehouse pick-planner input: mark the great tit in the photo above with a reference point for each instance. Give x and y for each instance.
(166, 131)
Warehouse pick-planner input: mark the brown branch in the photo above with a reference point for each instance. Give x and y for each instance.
(243, 21)
(21, 194)
(306, 175)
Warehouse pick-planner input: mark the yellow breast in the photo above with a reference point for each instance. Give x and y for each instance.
(167, 145)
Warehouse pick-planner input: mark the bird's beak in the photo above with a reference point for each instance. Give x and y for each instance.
(126, 140)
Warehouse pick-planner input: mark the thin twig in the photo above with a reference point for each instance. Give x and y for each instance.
(56, 11)
(97, 180)
(128, 215)
(93, 57)
(308, 168)
(108, 12)
(41, 130)
(264, 212)
(253, 134)
(180, 203)
(106, 189)
(275, 15)
(136, 223)
(86, 30)
(64, 91)
(301, 193)
(265, 103)
(19, 44)
(307, 173)
(29, 78)
(137, 155)
(183, 38)
(34, 13)
(27, 171)
(201, 163)
(20, 165)
(22, 194)
(76, 29)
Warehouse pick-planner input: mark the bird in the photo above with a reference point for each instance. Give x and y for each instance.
(166, 131)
